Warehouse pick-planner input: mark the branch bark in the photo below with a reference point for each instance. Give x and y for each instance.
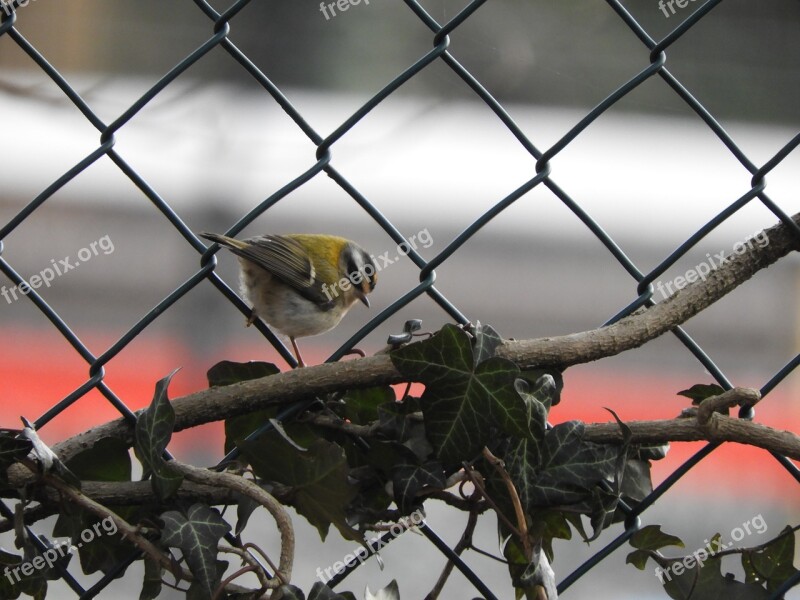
(207, 486)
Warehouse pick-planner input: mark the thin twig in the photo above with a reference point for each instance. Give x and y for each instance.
(522, 522)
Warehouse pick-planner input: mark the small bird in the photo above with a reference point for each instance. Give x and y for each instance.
(301, 284)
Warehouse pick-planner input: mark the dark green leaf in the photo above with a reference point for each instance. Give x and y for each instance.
(153, 431)
(461, 402)
(570, 466)
(228, 372)
(317, 479)
(197, 590)
(396, 421)
(291, 592)
(487, 341)
(105, 548)
(151, 586)
(652, 538)
(531, 376)
(409, 479)
(686, 580)
(361, 406)
(320, 591)
(700, 391)
(197, 535)
(241, 426)
(245, 507)
(107, 460)
(772, 562)
(548, 525)
(12, 450)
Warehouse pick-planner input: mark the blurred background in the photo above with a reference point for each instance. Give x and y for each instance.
(431, 158)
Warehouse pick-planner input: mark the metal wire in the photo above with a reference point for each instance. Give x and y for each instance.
(442, 52)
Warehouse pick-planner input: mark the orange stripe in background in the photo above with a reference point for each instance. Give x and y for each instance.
(38, 369)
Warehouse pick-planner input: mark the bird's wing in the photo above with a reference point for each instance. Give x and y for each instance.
(285, 258)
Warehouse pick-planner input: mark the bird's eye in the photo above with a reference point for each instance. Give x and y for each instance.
(361, 271)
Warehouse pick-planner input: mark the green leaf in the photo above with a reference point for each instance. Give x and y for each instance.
(317, 479)
(461, 401)
(245, 506)
(241, 426)
(647, 541)
(12, 450)
(106, 548)
(291, 592)
(570, 466)
(772, 562)
(151, 585)
(320, 591)
(153, 431)
(197, 535)
(548, 525)
(361, 406)
(686, 579)
(487, 341)
(700, 391)
(107, 460)
(652, 538)
(409, 479)
(228, 372)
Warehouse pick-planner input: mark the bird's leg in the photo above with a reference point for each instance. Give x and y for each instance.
(357, 351)
(300, 362)
(252, 318)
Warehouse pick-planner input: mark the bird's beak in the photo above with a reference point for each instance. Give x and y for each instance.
(364, 300)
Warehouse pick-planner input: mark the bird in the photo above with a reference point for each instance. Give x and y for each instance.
(301, 284)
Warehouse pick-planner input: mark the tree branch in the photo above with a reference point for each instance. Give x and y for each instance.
(223, 402)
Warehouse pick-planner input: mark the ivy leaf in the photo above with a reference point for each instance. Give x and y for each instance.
(151, 585)
(648, 540)
(461, 401)
(487, 340)
(408, 480)
(12, 449)
(197, 535)
(706, 582)
(153, 431)
(700, 391)
(197, 590)
(12, 584)
(246, 506)
(570, 466)
(771, 562)
(107, 460)
(317, 479)
(361, 406)
(320, 591)
(241, 426)
(228, 372)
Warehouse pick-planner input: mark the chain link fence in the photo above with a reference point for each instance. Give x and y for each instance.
(442, 50)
